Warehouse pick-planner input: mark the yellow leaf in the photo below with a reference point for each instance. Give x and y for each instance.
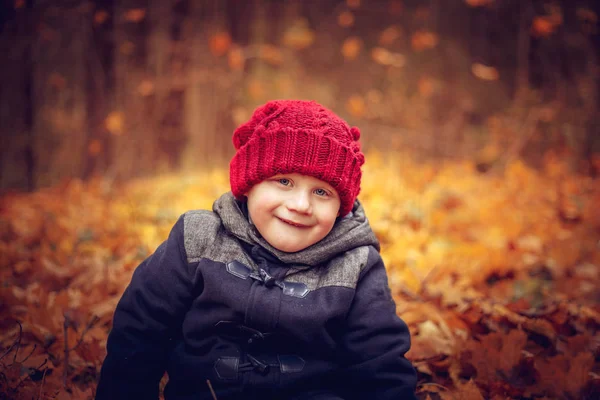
(256, 89)
(114, 123)
(356, 106)
(271, 54)
(431, 341)
(351, 48)
(299, 36)
(385, 57)
(485, 72)
(236, 59)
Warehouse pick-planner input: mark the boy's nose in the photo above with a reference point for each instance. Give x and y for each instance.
(300, 202)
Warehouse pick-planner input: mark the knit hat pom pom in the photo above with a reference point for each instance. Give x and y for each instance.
(242, 134)
(355, 133)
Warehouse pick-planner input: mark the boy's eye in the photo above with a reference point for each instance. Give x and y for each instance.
(284, 181)
(321, 192)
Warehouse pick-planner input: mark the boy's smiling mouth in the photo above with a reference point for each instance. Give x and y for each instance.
(292, 223)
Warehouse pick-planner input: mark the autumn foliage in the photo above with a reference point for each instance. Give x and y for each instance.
(496, 274)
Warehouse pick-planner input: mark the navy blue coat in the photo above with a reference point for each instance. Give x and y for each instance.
(215, 302)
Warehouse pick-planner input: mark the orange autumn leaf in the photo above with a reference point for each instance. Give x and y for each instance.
(219, 43)
(426, 86)
(474, 313)
(135, 15)
(299, 35)
(485, 72)
(390, 35)
(271, 54)
(565, 376)
(356, 106)
(423, 40)
(146, 88)
(496, 352)
(94, 147)
(236, 59)
(385, 57)
(100, 17)
(346, 19)
(469, 391)
(543, 26)
(587, 15)
(114, 123)
(351, 47)
(479, 3)
(256, 89)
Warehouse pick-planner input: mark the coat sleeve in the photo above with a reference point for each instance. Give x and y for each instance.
(375, 341)
(147, 318)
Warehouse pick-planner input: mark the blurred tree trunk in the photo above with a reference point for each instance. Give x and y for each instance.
(133, 133)
(208, 93)
(160, 20)
(100, 88)
(16, 161)
(59, 92)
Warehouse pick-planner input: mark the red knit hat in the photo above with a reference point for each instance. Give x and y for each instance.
(286, 136)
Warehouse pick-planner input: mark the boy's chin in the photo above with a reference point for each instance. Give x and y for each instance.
(288, 247)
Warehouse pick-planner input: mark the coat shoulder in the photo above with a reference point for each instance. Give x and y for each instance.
(200, 228)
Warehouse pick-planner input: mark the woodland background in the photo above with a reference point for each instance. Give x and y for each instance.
(480, 123)
(130, 88)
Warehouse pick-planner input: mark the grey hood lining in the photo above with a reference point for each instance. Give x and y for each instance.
(349, 232)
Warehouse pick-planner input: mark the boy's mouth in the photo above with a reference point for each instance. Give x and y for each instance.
(293, 223)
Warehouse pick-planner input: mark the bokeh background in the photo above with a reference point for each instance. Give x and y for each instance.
(480, 123)
(132, 88)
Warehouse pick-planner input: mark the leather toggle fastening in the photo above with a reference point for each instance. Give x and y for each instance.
(258, 365)
(240, 333)
(265, 278)
(290, 363)
(294, 289)
(238, 269)
(227, 368)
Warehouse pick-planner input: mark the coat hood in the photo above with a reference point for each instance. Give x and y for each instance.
(349, 232)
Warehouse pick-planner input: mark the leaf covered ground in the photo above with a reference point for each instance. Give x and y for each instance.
(497, 275)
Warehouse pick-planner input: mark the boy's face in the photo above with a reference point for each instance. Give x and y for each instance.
(293, 211)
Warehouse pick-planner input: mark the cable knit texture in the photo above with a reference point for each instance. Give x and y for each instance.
(286, 136)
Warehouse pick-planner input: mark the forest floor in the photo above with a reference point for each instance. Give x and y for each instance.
(497, 275)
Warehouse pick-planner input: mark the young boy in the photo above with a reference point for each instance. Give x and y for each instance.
(279, 292)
